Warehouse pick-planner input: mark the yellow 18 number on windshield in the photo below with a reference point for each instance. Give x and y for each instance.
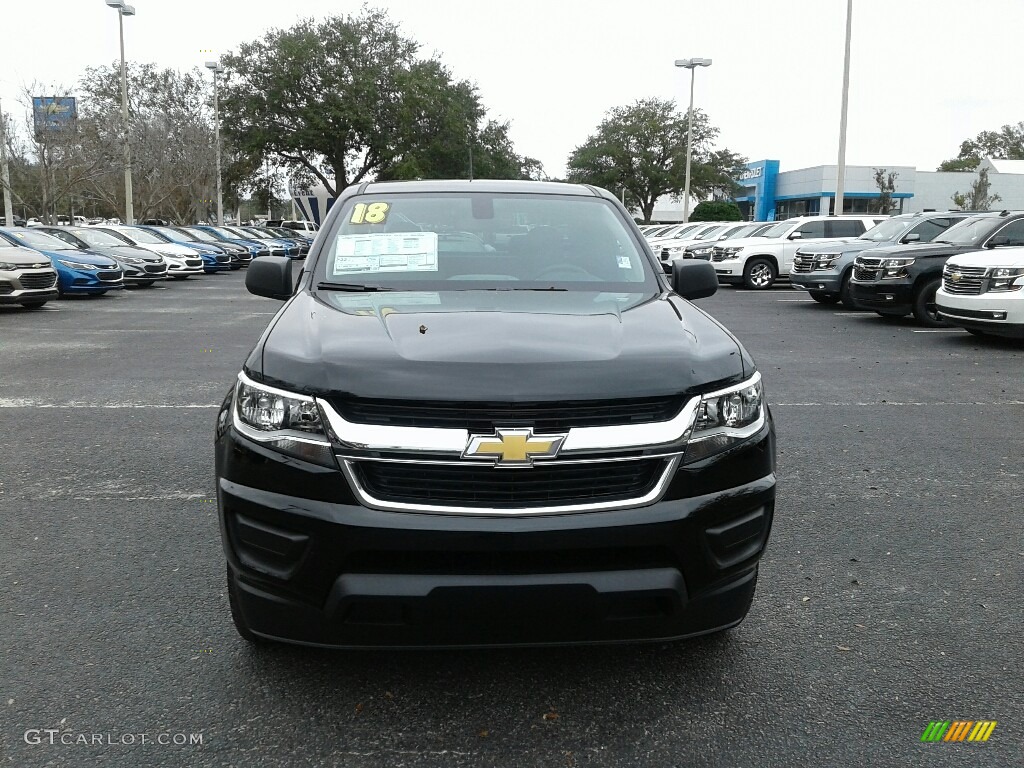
(372, 213)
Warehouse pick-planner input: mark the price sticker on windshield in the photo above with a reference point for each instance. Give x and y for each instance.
(369, 213)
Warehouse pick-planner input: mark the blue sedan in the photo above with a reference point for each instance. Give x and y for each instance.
(78, 271)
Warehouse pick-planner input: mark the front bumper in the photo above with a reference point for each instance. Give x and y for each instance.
(1001, 314)
(13, 291)
(729, 271)
(89, 281)
(887, 296)
(825, 282)
(320, 569)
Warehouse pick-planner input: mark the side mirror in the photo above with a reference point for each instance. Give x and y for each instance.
(998, 241)
(795, 235)
(912, 238)
(694, 279)
(270, 276)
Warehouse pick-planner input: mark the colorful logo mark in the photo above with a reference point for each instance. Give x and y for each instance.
(958, 730)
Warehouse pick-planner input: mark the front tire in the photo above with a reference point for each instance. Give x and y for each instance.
(846, 293)
(925, 310)
(824, 298)
(759, 274)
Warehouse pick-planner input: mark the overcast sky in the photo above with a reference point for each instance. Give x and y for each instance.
(925, 74)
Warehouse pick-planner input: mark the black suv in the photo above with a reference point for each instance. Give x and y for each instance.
(895, 282)
(485, 416)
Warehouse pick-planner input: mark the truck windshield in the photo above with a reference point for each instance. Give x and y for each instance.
(483, 241)
(779, 230)
(967, 232)
(886, 231)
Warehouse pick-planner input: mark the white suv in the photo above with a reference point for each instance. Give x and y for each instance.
(984, 292)
(756, 262)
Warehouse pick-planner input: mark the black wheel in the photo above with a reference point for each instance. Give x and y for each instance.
(32, 304)
(925, 310)
(824, 298)
(237, 618)
(846, 293)
(759, 274)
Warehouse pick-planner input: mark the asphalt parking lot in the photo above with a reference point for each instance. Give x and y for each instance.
(890, 595)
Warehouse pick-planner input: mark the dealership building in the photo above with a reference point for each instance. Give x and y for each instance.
(768, 193)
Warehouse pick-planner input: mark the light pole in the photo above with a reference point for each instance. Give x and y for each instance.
(841, 165)
(5, 174)
(690, 64)
(216, 68)
(123, 9)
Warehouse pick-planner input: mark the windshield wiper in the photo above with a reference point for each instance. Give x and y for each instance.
(551, 288)
(354, 287)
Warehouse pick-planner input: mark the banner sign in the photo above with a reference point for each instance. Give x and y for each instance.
(53, 113)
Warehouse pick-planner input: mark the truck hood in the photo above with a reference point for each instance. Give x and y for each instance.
(913, 250)
(508, 346)
(850, 246)
(992, 257)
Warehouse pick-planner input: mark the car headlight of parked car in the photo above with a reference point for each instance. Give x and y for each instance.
(78, 265)
(282, 421)
(5, 267)
(825, 261)
(702, 252)
(731, 251)
(895, 268)
(1007, 279)
(726, 418)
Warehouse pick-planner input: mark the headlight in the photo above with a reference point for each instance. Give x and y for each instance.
(282, 421)
(133, 260)
(825, 260)
(895, 268)
(77, 265)
(1006, 279)
(703, 251)
(8, 267)
(726, 418)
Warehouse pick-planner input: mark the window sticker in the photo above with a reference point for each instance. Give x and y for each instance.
(369, 213)
(386, 252)
(624, 262)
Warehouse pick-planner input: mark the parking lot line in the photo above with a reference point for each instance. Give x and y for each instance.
(801, 301)
(937, 330)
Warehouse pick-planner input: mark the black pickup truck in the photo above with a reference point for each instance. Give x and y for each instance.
(485, 416)
(898, 281)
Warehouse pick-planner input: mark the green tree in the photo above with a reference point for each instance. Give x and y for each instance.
(1005, 144)
(642, 148)
(886, 183)
(716, 210)
(977, 198)
(346, 100)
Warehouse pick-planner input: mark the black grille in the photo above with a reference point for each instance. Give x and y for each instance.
(223, 258)
(5, 287)
(537, 486)
(193, 262)
(483, 417)
(867, 269)
(38, 280)
(155, 269)
(108, 276)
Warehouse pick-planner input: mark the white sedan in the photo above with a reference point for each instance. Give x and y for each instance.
(182, 261)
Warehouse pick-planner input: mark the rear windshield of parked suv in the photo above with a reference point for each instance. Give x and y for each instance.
(472, 241)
